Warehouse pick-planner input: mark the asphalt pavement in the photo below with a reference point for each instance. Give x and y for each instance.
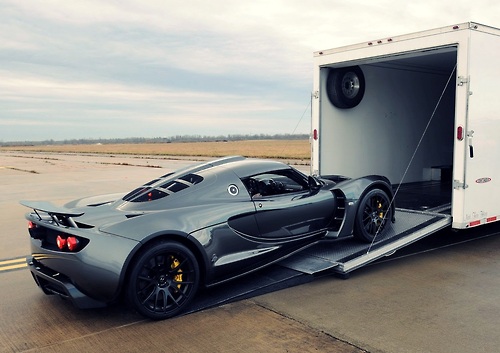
(439, 295)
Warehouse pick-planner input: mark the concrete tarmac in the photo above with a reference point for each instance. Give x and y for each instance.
(441, 300)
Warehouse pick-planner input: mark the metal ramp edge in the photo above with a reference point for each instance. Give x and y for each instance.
(345, 255)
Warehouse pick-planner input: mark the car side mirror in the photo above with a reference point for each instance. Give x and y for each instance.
(314, 183)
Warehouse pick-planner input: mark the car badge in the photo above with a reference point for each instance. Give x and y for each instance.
(233, 190)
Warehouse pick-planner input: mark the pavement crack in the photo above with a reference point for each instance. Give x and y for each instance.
(312, 328)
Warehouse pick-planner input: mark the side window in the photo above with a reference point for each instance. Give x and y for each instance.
(274, 183)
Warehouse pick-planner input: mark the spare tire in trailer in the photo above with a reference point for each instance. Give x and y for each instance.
(345, 86)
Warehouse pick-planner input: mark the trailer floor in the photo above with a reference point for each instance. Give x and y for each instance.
(423, 196)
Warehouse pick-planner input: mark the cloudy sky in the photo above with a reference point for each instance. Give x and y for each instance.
(74, 69)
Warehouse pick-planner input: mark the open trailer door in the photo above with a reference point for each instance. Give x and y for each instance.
(476, 174)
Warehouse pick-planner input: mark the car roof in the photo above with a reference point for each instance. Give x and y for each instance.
(245, 167)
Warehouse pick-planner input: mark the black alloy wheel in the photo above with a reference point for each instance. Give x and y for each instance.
(164, 280)
(373, 216)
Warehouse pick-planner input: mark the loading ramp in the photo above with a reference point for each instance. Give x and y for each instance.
(345, 255)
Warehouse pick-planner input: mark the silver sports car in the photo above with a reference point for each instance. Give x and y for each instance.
(199, 226)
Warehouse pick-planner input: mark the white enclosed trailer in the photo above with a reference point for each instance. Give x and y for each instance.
(423, 110)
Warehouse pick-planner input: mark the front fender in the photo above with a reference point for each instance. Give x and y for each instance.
(354, 190)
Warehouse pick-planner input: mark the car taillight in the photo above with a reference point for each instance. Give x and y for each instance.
(61, 242)
(69, 243)
(72, 243)
(31, 225)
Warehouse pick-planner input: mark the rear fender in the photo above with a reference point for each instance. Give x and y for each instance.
(94, 200)
(185, 239)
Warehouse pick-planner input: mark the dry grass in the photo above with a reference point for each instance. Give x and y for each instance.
(276, 149)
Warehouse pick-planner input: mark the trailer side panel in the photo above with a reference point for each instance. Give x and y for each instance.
(479, 182)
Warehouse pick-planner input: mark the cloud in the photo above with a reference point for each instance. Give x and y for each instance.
(196, 66)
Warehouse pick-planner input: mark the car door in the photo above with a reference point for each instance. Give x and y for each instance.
(291, 210)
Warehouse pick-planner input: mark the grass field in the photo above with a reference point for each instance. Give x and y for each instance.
(276, 149)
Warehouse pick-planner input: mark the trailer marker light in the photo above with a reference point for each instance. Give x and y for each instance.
(460, 133)
(61, 242)
(315, 134)
(474, 223)
(456, 27)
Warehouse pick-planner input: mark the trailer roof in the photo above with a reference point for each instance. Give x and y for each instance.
(457, 27)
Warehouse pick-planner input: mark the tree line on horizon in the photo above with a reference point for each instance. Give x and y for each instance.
(172, 139)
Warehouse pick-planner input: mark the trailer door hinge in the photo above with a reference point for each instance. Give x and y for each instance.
(461, 80)
(315, 94)
(458, 185)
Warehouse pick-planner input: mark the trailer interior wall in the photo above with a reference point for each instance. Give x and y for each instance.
(382, 135)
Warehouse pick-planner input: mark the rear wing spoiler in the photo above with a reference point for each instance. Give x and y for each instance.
(53, 211)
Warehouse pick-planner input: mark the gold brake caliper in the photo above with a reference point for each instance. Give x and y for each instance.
(381, 212)
(178, 277)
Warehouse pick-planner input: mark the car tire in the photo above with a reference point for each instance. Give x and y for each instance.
(163, 281)
(373, 216)
(345, 87)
